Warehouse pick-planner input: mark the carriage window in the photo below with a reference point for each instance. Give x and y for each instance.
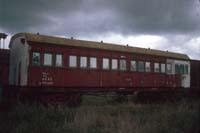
(141, 66)
(59, 60)
(147, 67)
(176, 68)
(106, 63)
(181, 71)
(114, 64)
(162, 68)
(179, 68)
(47, 59)
(133, 65)
(122, 64)
(93, 62)
(83, 62)
(186, 69)
(156, 67)
(36, 58)
(72, 61)
(169, 68)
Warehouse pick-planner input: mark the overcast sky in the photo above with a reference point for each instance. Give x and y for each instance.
(172, 25)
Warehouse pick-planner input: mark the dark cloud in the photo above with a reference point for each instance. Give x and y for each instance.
(176, 21)
(158, 16)
(89, 16)
(26, 15)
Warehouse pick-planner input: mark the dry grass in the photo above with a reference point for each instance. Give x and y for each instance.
(104, 117)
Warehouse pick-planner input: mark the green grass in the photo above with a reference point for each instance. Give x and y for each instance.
(101, 115)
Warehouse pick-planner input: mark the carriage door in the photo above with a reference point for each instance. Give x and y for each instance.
(182, 68)
(186, 76)
(19, 74)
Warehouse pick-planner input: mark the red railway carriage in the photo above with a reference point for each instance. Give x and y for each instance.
(39, 60)
(4, 66)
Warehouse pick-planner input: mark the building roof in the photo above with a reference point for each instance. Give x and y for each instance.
(97, 45)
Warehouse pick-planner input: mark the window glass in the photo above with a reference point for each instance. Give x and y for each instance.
(36, 58)
(122, 64)
(59, 60)
(83, 62)
(93, 62)
(47, 59)
(186, 69)
(133, 65)
(181, 69)
(72, 61)
(156, 67)
(106, 63)
(141, 66)
(177, 68)
(147, 67)
(162, 68)
(169, 68)
(114, 64)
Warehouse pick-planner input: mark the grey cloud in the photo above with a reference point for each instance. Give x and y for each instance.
(159, 16)
(97, 17)
(24, 15)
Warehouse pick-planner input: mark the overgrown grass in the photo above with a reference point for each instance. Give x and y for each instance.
(100, 115)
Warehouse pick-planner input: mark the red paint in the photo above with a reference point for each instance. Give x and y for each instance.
(65, 76)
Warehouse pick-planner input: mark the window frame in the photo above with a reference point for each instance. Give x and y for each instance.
(108, 63)
(147, 70)
(186, 69)
(76, 61)
(96, 65)
(40, 58)
(46, 53)
(117, 66)
(156, 64)
(139, 68)
(120, 66)
(135, 66)
(86, 65)
(161, 68)
(169, 65)
(56, 60)
(176, 68)
(179, 68)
